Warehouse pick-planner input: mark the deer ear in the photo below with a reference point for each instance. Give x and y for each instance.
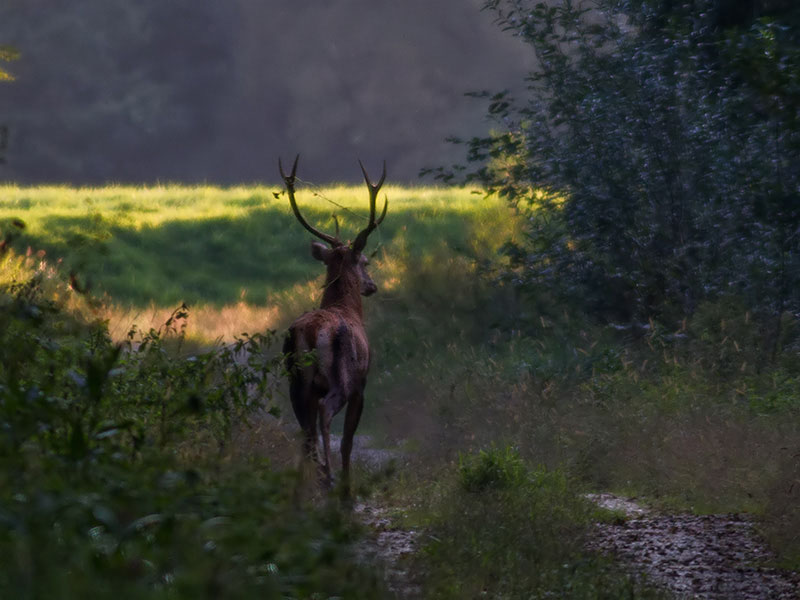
(320, 251)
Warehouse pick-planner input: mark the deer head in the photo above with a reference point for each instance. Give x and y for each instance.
(346, 264)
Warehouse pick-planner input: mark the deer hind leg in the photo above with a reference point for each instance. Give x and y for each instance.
(328, 407)
(353, 415)
(305, 402)
(304, 395)
(310, 443)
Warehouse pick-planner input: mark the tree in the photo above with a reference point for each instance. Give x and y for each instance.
(655, 154)
(142, 78)
(7, 54)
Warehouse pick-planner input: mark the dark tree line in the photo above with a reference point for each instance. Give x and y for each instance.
(7, 54)
(105, 86)
(658, 148)
(201, 90)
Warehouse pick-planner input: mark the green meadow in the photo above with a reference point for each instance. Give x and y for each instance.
(215, 246)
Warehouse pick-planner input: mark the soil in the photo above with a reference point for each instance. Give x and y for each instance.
(704, 557)
(390, 547)
(387, 546)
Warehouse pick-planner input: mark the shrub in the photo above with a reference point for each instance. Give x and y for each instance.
(114, 478)
(492, 469)
(504, 530)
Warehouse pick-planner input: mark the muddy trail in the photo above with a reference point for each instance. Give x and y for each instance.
(714, 557)
(708, 556)
(387, 546)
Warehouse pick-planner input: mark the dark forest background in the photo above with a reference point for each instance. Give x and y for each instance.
(193, 91)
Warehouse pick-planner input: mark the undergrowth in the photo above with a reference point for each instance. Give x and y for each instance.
(117, 480)
(508, 407)
(693, 417)
(501, 528)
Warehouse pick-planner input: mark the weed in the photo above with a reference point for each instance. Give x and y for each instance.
(115, 477)
(495, 468)
(504, 530)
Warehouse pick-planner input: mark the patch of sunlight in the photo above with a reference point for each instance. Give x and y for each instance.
(206, 324)
(545, 198)
(390, 272)
(139, 207)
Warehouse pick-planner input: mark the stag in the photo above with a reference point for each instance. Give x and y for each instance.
(336, 376)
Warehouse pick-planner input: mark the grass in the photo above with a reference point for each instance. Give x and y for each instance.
(218, 246)
(691, 415)
(234, 254)
(500, 525)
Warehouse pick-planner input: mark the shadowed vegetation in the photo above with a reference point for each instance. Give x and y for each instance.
(551, 403)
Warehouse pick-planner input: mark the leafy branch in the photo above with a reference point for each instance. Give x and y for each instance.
(7, 54)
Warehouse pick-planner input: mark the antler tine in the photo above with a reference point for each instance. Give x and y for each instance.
(289, 181)
(361, 240)
(375, 186)
(373, 189)
(383, 213)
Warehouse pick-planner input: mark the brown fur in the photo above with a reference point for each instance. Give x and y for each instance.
(337, 376)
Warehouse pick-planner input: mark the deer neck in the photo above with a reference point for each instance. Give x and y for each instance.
(343, 292)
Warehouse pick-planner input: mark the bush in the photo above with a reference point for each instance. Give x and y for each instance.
(505, 530)
(115, 477)
(493, 469)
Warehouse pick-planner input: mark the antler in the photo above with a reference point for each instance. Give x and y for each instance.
(361, 239)
(289, 181)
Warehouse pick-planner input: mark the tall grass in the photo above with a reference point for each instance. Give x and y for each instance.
(502, 529)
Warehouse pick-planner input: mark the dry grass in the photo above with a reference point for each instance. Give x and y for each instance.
(206, 324)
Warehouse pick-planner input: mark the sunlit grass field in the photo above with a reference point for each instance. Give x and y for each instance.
(236, 256)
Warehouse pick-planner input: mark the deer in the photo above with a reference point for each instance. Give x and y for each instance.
(337, 373)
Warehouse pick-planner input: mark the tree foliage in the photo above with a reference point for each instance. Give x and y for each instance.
(656, 153)
(202, 90)
(7, 54)
(119, 75)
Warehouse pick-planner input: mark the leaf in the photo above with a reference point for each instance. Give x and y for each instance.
(77, 441)
(143, 523)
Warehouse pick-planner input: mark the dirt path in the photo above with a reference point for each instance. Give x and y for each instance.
(707, 557)
(387, 546)
(710, 557)
(390, 548)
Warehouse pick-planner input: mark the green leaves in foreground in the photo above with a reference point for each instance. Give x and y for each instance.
(153, 532)
(114, 476)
